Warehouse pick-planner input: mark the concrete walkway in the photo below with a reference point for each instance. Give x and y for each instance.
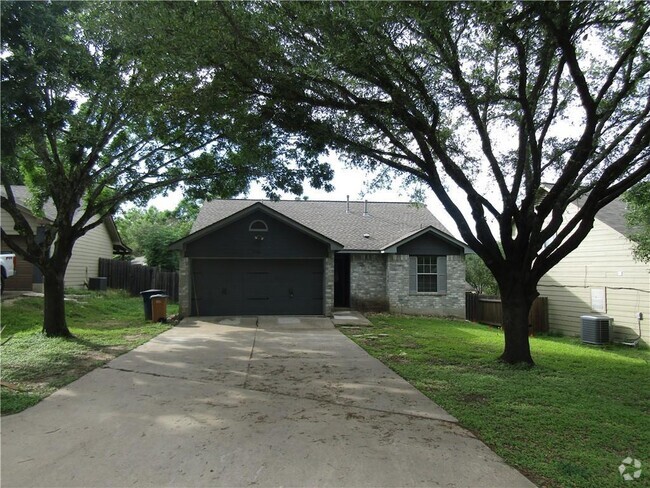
(267, 401)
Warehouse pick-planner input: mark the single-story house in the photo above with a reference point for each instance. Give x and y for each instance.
(600, 277)
(103, 241)
(304, 257)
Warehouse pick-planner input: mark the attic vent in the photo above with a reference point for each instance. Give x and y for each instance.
(258, 226)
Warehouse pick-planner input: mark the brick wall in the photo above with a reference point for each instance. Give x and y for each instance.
(402, 300)
(184, 302)
(368, 282)
(329, 283)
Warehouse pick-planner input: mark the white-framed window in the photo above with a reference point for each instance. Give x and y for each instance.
(427, 274)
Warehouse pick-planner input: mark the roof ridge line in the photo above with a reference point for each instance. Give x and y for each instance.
(307, 201)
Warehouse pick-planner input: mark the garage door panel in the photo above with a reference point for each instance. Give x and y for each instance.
(257, 287)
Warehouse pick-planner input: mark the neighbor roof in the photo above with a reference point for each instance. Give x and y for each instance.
(612, 214)
(385, 223)
(22, 196)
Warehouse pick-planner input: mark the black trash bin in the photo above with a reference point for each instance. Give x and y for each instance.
(146, 298)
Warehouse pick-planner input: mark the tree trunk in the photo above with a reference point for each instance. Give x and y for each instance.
(516, 307)
(54, 323)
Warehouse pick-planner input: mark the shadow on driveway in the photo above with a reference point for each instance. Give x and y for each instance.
(243, 401)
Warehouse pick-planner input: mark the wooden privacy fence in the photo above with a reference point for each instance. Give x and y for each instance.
(136, 278)
(487, 310)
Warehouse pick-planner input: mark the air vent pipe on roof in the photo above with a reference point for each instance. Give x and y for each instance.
(365, 209)
(347, 210)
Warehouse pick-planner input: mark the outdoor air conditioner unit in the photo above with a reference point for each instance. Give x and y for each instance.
(596, 329)
(99, 284)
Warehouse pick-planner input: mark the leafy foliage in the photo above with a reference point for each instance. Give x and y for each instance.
(91, 118)
(150, 232)
(638, 218)
(479, 277)
(521, 93)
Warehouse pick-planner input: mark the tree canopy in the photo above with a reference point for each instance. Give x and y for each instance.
(91, 120)
(479, 277)
(450, 93)
(150, 232)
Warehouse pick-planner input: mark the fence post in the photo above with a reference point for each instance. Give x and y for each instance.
(471, 306)
(488, 310)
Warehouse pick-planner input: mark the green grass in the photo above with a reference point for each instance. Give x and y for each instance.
(569, 421)
(105, 325)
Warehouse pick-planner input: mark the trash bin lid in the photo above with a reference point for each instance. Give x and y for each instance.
(159, 296)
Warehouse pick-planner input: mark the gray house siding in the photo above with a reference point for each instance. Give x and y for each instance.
(256, 265)
(248, 250)
(237, 240)
(427, 244)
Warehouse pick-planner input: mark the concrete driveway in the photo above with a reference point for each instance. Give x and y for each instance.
(267, 401)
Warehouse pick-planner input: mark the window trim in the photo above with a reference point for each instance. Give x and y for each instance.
(433, 261)
(252, 228)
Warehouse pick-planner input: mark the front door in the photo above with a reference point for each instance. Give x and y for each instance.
(342, 280)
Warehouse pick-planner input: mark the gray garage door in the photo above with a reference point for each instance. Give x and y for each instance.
(257, 287)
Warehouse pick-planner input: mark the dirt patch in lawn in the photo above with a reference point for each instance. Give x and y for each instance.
(474, 398)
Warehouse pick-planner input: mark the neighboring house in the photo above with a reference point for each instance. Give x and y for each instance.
(101, 242)
(600, 277)
(303, 257)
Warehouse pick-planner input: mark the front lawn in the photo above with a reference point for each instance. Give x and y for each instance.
(569, 421)
(105, 325)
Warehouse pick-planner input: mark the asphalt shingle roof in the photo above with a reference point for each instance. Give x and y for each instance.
(22, 195)
(613, 214)
(386, 222)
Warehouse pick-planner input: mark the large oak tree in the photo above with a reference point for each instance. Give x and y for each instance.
(90, 120)
(452, 93)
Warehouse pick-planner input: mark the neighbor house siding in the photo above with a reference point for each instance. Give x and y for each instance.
(8, 222)
(87, 250)
(402, 299)
(603, 261)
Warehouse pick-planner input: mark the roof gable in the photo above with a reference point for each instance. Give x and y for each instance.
(244, 212)
(391, 248)
(345, 223)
